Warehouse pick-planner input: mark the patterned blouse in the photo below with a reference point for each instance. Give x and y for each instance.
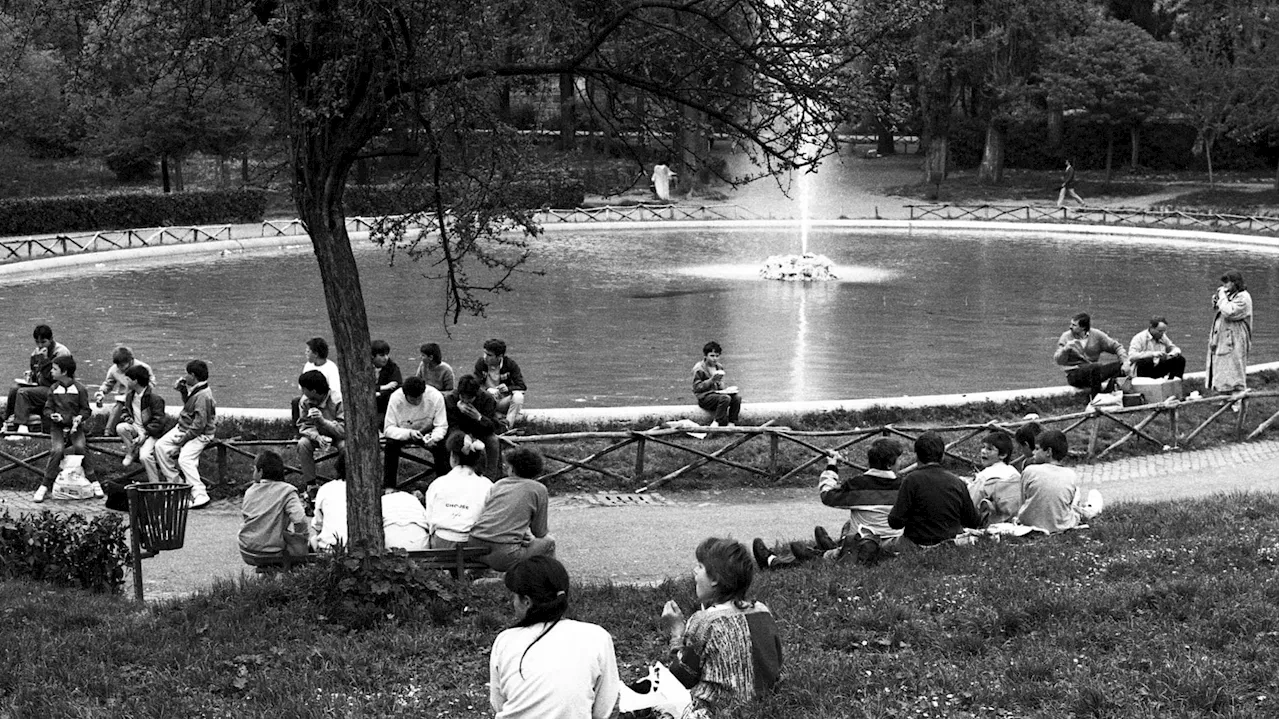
(731, 653)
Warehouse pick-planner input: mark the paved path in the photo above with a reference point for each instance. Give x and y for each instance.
(646, 543)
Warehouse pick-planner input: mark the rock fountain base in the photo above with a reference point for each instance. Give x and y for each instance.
(798, 268)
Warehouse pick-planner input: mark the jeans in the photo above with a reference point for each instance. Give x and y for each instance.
(181, 462)
(724, 406)
(1169, 367)
(1091, 375)
(136, 439)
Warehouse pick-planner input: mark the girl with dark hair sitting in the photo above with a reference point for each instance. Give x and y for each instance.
(455, 500)
(728, 652)
(546, 665)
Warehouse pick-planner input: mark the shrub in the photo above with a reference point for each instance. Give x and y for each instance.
(358, 590)
(548, 188)
(67, 550)
(44, 215)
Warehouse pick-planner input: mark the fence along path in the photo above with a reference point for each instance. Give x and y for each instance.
(1135, 423)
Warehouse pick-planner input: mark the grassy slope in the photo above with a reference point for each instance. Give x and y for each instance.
(1155, 611)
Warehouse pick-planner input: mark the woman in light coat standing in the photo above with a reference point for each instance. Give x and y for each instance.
(1228, 358)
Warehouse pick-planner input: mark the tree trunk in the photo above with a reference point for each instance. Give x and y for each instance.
(992, 168)
(935, 162)
(224, 171)
(318, 189)
(1111, 146)
(568, 123)
(1208, 158)
(1134, 137)
(164, 174)
(884, 139)
(1055, 129)
(244, 170)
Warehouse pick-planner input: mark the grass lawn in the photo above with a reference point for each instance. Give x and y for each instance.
(1158, 610)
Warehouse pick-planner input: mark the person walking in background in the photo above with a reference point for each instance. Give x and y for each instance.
(1228, 357)
(1068, 186)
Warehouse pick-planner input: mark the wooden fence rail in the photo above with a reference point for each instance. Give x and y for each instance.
(1177, 219)
(1136, 422)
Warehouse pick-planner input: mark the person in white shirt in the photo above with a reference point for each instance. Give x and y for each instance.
(415, 417)
(318, 359)
(329, 525)
(546, 666)
(454, 501)
(404, 522)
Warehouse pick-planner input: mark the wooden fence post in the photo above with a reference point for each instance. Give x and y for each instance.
(222, 463)
(1093, 436)
(639, 457)
(773, 455)
(1173, 426)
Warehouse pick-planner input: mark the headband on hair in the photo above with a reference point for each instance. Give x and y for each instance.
(472, 445)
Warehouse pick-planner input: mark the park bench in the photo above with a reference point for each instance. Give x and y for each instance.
(455, 561)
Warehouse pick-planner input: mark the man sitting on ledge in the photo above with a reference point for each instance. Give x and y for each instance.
(1154, 355)
(1079, 350)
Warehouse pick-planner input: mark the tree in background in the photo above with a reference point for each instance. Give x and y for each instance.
(1112, 74)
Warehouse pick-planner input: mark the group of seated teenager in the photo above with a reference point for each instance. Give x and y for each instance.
(929, 506)
(724, 655)
(462, 507)
(426, 410)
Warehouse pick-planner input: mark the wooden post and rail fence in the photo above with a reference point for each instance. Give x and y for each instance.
(1179, 430)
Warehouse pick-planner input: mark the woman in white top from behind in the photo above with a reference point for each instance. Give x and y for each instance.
(546, 666)
(454, 501)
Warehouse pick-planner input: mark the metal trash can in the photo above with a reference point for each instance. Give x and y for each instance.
(159, 511)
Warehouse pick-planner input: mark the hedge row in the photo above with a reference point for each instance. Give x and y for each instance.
(64, 549)
(88, 213)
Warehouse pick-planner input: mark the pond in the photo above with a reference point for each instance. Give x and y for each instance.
(619, 317)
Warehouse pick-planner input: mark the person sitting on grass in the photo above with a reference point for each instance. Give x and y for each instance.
(121, 361)
(322, 423)
(546, 665)
(868, 497)
(728, 652)
(1025, 439)
(933, 504)
(404, 522)
(142, 419)
(710, 390)
(274, 522)
(513, 522)
(66, 409)
(329, 523)
(434, 370)
(1049, 489)
(415, 417)
(389, 377)
(454, 501)
(28, 395)
(996, 491)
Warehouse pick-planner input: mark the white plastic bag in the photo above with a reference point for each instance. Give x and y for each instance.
(1089, 504)
(665, 693)
(71, 482)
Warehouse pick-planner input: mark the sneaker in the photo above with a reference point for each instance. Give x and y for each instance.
(97, 490)
(10, 426)
(714, 423)
(868, 552)
(802, 552)
(823, 540)
(758, 549)
(199, 502)
(23, 429)
(128, 460)
(39, 496)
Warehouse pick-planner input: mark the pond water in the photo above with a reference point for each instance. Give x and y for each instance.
(619, 317)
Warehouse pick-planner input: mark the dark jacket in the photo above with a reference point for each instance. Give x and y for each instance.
(152, 419)
(68, 400)
(42, 361)
(508, 374)
(933, 506)
(481, 428)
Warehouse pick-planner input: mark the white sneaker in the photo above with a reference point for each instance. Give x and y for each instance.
(198, 502)
(128, 460)
(41, 491)
(714, 424)
(97, 490)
